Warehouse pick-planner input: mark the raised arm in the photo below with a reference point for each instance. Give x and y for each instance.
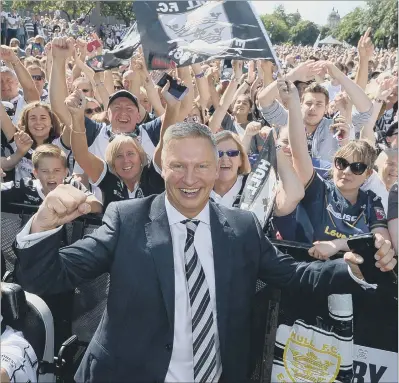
(384, 90)
(92, 165)
(187, 103)
(62, 48)
(296, 131)
(24, 142)
(7, 126)
(171, 116)
(220, 111)
(25, 79)
(290, 189)
(211, 75)
(365, 48)
(354, 91)
(202, 85)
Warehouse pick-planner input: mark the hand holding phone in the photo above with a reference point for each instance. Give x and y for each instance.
(177, 90)
(364, 245)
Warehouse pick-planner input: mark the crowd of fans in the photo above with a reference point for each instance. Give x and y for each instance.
(332, 112)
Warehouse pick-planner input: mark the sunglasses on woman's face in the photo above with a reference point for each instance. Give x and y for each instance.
(37, 77)
(95, 110)
(118, 87)
(85, 90)
(229, 153)
(357, 168)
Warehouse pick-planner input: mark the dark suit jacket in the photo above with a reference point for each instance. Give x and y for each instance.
(134, 340)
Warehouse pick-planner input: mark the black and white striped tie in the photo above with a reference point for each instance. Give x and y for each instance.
(204, 350)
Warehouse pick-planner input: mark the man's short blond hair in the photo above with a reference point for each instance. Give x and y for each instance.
(48, 151)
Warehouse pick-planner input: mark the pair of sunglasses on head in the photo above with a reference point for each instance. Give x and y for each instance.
(357, 168)
(37, 77)
(95, 110)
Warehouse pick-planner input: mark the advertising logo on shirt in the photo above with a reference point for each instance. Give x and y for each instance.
(380, 213)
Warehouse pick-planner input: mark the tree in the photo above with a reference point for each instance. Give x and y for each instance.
(71, 9)
(381, 16)
(324, 32)
(122, 10)
(293, 19)
(279, 12)
(276, 28)
(305, 33)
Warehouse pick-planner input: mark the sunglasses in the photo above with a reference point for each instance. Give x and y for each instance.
(230, 153)
(37, 77)
(112, 136)
(357, 168)
(118, 87)
(95, 110)
(85, 90)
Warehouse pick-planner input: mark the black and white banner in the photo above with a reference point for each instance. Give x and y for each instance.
(187, 32)
(261, 187)
(342, 338)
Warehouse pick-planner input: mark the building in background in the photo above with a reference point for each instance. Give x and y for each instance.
(333, 19)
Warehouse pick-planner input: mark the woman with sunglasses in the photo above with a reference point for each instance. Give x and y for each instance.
(92, 107)
(126, 172)
(234, 170)
(337, 208)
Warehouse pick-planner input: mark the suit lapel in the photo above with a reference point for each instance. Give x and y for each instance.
(159, 241)
(222, 236)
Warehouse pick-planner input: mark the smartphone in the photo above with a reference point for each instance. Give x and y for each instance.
(92, 45)
(364, 246)
(96, 63)
(176, 90)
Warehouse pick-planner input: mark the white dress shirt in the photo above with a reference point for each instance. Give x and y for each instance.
(181, 367)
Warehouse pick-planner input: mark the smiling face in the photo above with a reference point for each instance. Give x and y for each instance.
(229, 166)
(145, 102)
(313, 108)
(39, 123)
(345, 180)
(242, 106)
(123, 114)
(388, 168)
(38, 78)
(51, 172)
(127, 161)
(284, 142)
(190, 169)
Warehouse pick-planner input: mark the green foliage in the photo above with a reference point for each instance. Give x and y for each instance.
(381, 16)
(325, 31)
(305, 33)
(71, 9)
(276, 28)
(122, 10)
(293, 19)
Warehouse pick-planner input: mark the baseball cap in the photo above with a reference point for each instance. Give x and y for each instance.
(123, 93)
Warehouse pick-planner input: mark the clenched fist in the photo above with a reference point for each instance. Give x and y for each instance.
(62, 205)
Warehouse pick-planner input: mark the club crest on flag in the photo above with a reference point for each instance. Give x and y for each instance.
(206, 29)
(305, 363)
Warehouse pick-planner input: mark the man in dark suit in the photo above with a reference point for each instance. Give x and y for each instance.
(183, 272)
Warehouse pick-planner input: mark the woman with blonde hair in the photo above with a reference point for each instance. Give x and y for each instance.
(235, 168)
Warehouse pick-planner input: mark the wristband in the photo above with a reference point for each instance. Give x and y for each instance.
(200, 75)
(379, 101)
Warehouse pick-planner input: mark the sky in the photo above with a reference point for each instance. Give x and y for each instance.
(316, 11)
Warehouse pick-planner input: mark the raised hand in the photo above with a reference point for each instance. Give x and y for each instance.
(171, 101)
(237, 68)
(23, 141)
(62, 205)
(365, 46)
(386, 87)
(76, 103)
(340, 128)
(303, 72)
(8, 55)
(253, 128)
(62, 47)
(287, 91)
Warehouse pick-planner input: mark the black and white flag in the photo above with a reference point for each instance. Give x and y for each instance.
(261, 187)
(181, 33)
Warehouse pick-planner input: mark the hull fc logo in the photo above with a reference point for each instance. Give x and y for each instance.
(206, 29)
(305, 363)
